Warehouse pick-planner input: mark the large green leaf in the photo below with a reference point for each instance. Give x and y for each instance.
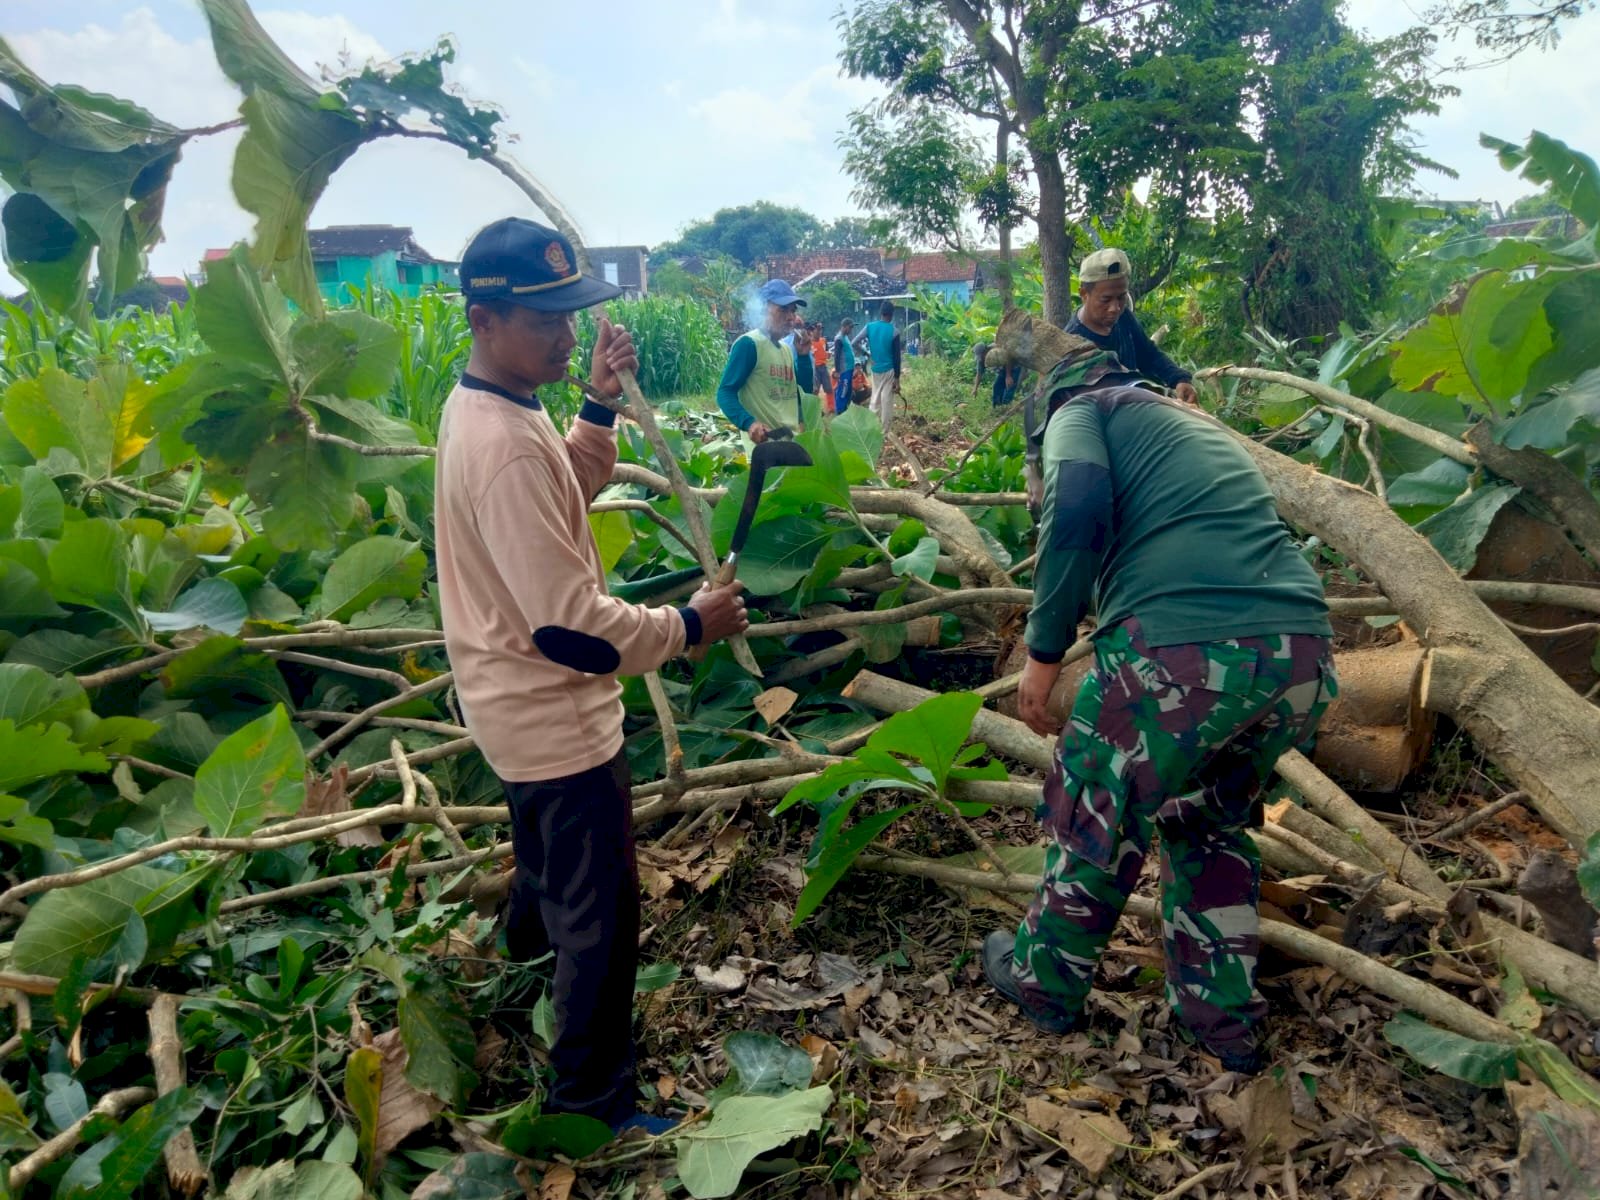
(1573, 310)
(43, 512)
(714, 1154)
(760, 1064)
(243, 319)
(90, 172)
(58, 651)
(88, 921)
(857, 430)
(1435, 486)
(933, 733)
(1457, 531)
(1573, 178)
(256, 773)
(1548, 424)
(29, 695)
(38, 752)
(95, 420)
(89, 566)
(290, 149)
(311, 1180)
(781, 553)
(1482, 347)
(309, 486)
(571, 1134)
(211, 604)
(114, 1167)
(838, 855)
(613, 534)
(22, 595)
(439, 1042)
(1486, 1064)
(346, 353)
(374, 569)
(227, 666)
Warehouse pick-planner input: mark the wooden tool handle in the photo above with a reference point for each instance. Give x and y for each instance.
(725, 572)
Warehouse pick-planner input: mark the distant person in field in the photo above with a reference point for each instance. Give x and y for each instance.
(821, 377)
(537, 644)
(883, 356)
(844, 365)
(1105, 317)
(1212, 658)
(759, 391)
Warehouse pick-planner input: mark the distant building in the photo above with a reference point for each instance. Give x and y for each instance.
(628, 267)
(953, 276)
(174, 287)
(802, 263)
(387, 255)
(1560, 225)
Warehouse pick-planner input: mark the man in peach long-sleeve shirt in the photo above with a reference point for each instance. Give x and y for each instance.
(536, 643)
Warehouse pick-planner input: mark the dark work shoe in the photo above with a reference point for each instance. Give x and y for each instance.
(654, 1126)
(1243, 1059)
(998, 957)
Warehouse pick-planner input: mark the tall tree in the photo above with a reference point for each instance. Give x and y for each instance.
(1333, 108)
(748, 233)
(1096, 94)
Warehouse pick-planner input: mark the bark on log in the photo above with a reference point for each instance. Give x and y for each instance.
(1550, 884)
(184, 1171)
(957, 535)
(1548, 479)
(1544, 736)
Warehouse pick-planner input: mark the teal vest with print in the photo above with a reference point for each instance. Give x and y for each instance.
(771, 395)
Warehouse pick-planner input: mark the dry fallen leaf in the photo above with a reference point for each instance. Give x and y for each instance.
(557, 1182)
(402, 1109)
(1093, 1139)
(722, 980)
(824, 1056)
(326, 797)
(667, 1087)
(775, 703)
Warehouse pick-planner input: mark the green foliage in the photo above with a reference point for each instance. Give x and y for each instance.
(714, 1154)
(749, 233)
(255, 773)
(1486, 1064)
(920, 752)
(831, 302)
(88, 175)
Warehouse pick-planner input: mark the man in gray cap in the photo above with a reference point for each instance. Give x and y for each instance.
(759, 391)
(1105, 317)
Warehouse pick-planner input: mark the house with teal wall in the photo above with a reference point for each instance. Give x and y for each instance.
(387, 255)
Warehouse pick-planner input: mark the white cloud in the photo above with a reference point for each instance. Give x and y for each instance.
(806, 112)
(322, 46)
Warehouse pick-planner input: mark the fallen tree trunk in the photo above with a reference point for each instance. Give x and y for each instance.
(1544, 736)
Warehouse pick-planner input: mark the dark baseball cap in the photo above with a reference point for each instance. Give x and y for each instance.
(531, 265)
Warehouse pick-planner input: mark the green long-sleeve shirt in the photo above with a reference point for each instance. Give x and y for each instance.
(1154, 511)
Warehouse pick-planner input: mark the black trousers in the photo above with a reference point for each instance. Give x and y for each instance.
(576, 891)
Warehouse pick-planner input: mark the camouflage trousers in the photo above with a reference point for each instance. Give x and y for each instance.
(1180, 740)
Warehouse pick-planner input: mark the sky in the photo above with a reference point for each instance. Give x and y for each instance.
(639, 116)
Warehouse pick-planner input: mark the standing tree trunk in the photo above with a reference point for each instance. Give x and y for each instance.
(1055, 248)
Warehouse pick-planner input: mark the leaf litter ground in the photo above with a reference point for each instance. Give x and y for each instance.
(942, 1088)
